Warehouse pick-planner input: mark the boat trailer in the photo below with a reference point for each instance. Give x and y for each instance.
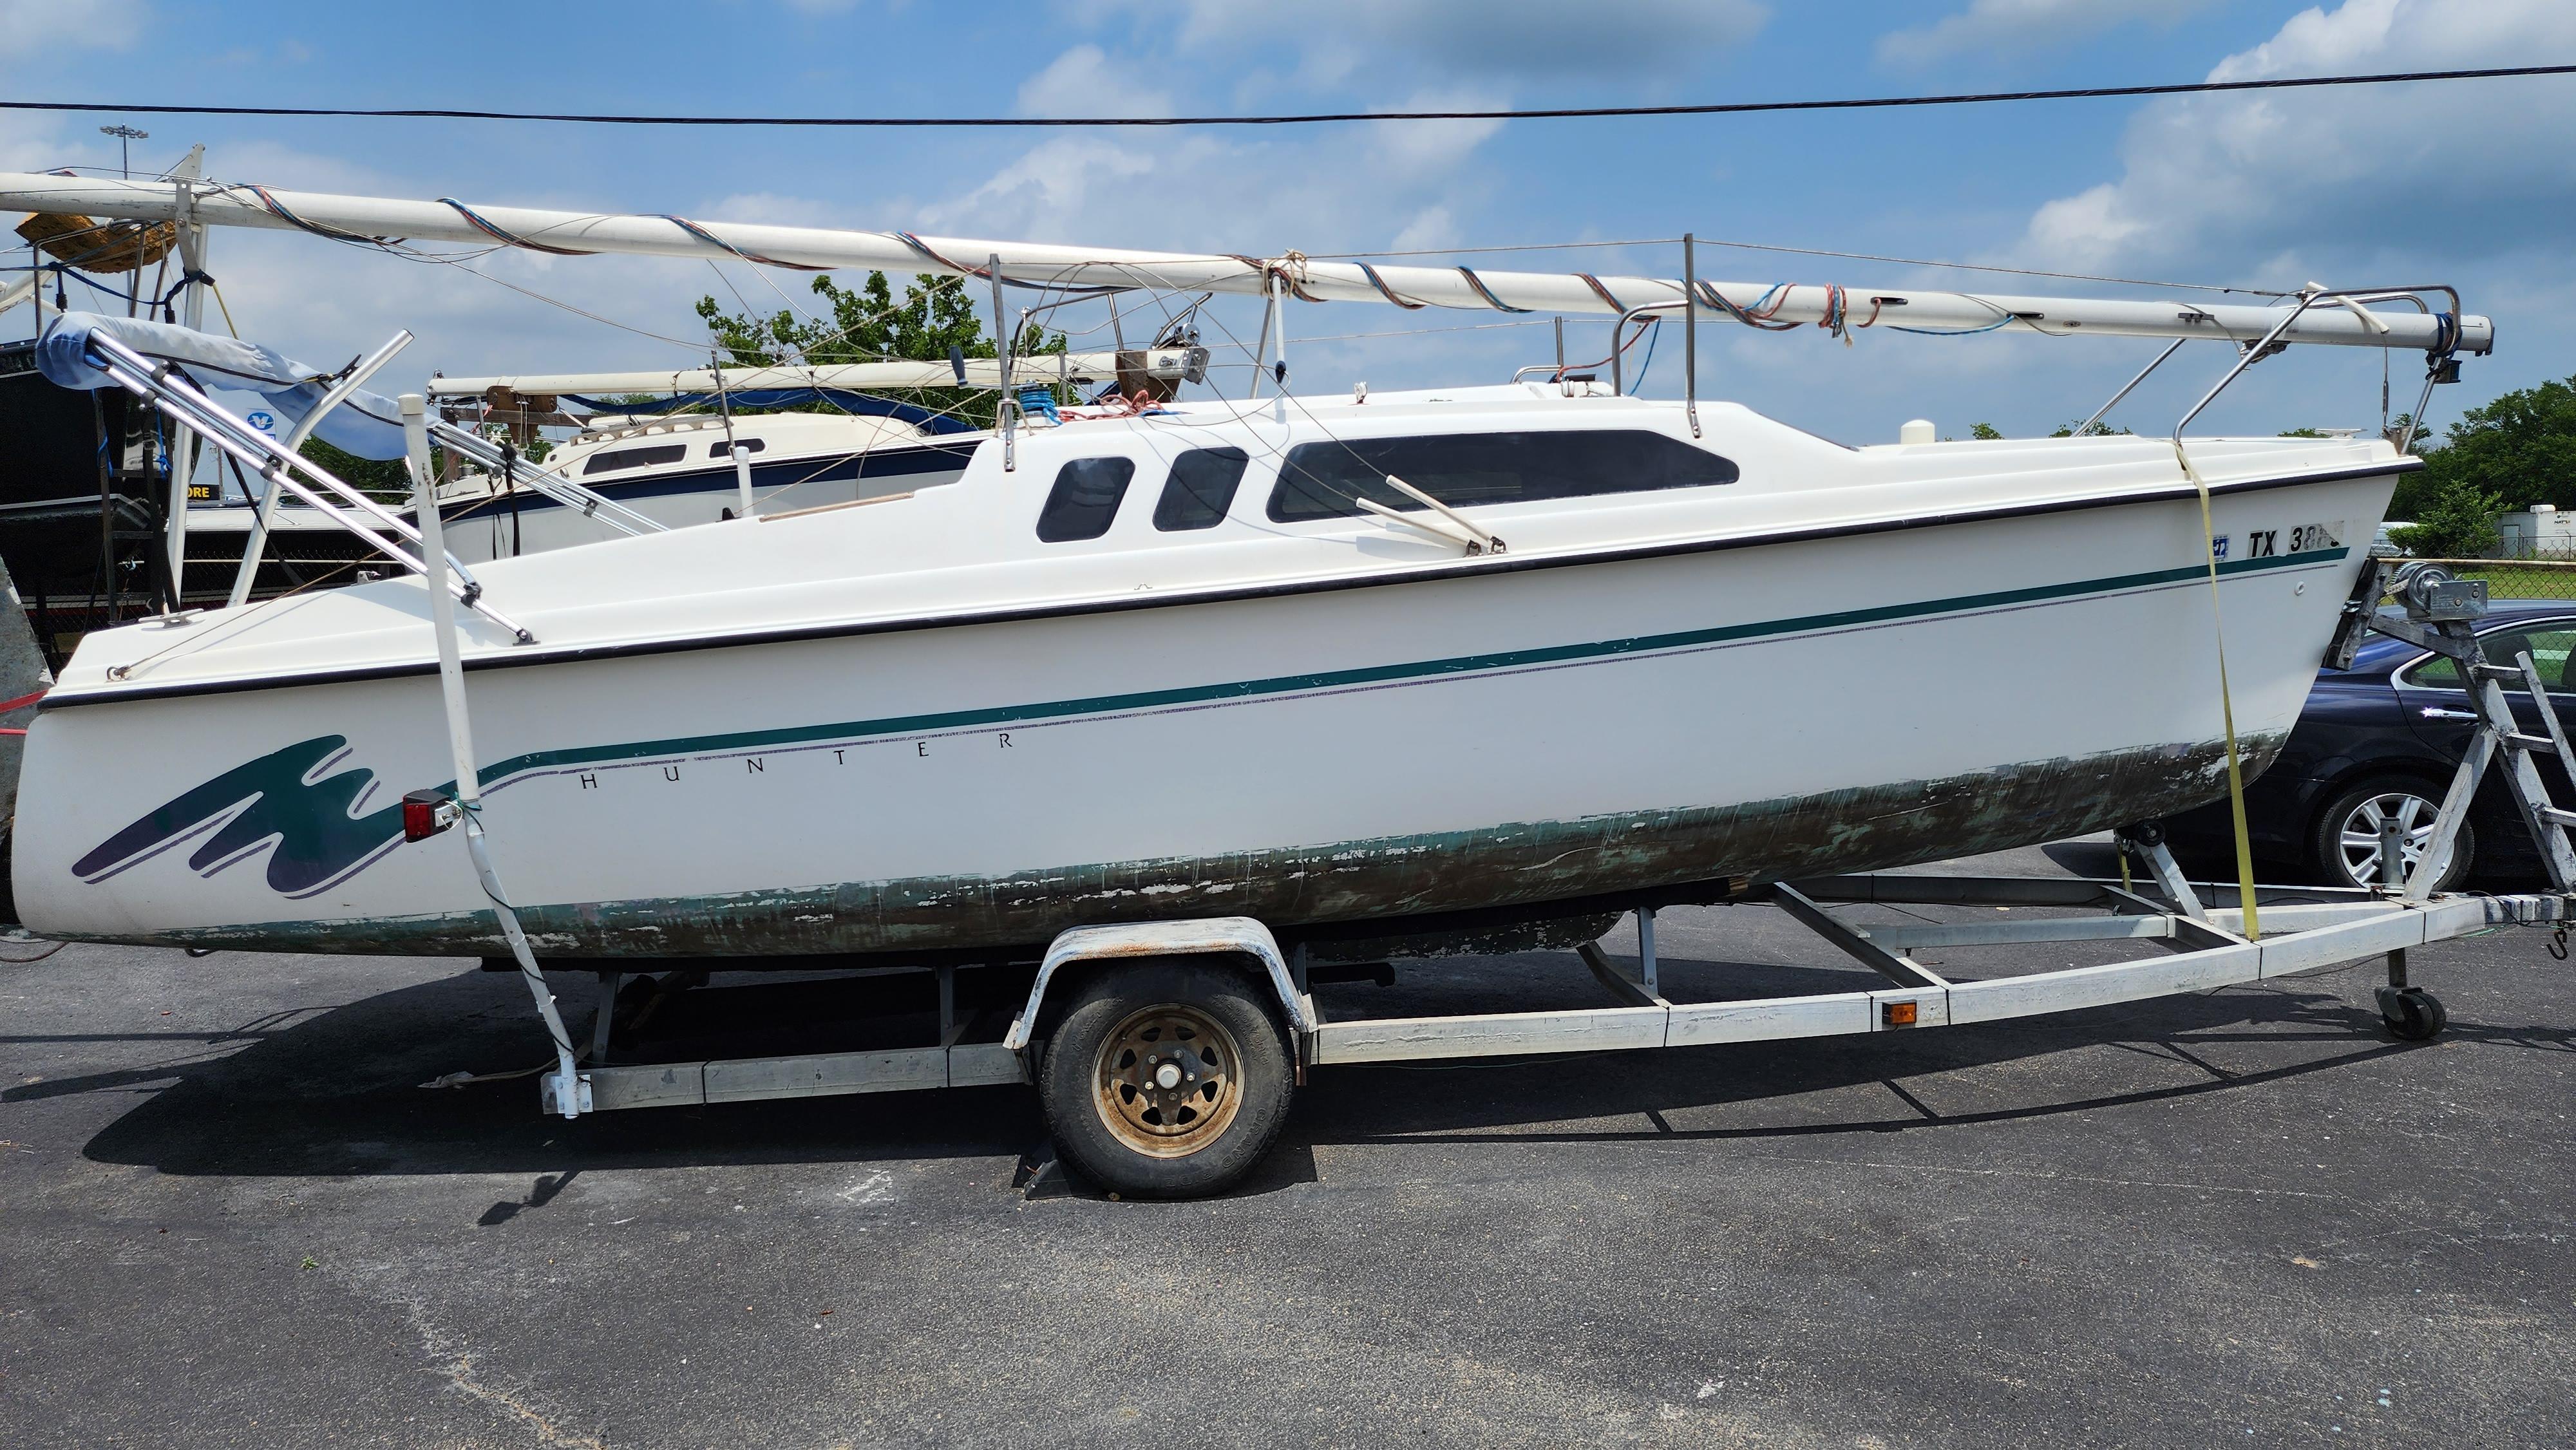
(2204, 949)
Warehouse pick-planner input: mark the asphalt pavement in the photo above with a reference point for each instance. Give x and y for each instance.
(230, 1215)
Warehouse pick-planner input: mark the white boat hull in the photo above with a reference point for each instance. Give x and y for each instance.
(1358, 751)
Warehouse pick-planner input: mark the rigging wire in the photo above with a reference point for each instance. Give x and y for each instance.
(1820, 252)
(1309, 118)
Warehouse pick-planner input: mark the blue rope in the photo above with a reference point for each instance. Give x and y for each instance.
(1652, 335)
(1951, 332)
(711, 239)
(477, 221)
(1498, 304)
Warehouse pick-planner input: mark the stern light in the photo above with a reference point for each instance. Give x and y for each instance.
(426, 813)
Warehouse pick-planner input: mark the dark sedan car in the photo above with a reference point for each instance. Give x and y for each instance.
(2382, 739)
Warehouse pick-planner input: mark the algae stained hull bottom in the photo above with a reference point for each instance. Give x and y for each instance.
(1333, 755)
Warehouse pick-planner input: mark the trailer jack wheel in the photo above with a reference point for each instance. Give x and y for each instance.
(2412, 1014)
(1166, 1079)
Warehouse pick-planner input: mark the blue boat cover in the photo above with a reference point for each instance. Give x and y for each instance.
(366, 424)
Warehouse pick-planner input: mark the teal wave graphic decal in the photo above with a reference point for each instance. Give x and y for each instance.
(281, 797)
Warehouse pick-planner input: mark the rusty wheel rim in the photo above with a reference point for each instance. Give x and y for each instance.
(1168, 1081)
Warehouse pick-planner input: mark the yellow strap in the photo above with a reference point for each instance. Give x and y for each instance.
(227, 311)
(2226, 706)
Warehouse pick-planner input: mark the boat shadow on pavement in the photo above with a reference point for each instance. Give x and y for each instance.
(338, 1090)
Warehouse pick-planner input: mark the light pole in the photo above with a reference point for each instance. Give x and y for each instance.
(125, 136)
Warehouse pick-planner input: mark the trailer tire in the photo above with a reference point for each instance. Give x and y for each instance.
(1166, 1079)
(2335, 861)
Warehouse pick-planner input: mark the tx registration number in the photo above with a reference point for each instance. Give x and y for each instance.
(2273, 543)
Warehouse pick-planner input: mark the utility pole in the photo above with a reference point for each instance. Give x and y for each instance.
(125, 136)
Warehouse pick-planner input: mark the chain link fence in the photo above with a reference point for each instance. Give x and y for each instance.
(2518, 578)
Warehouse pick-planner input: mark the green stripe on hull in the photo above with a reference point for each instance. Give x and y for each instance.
(1373, 674)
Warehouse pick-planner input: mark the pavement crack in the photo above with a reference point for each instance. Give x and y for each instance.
(2058, 1176)
(458, 1367)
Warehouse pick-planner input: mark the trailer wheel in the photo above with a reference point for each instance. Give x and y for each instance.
(2412, 1014)
(1166, 1079)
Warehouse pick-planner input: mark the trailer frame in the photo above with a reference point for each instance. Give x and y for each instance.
(2203, 950)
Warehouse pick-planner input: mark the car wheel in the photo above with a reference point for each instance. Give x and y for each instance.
(2343, 849)
(1166, 1079)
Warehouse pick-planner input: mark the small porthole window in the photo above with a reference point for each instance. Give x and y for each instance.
(723, 449)
(1200, 489)
(1085, 499)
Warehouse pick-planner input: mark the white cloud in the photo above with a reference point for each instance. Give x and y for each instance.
(1334, 39)
(2015, 25)
(1084, 81)
(30, 28)
(2349, 178)
(1431, 227)
(1050, 191)
(1431, 148)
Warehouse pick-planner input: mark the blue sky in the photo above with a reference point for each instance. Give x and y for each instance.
(2473, 184)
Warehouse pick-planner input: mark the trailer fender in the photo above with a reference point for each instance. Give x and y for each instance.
(1229, 934)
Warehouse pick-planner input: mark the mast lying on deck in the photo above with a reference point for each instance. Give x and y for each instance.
(1160, 364)
(373, 219)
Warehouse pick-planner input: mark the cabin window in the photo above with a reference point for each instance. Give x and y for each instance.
(634, 457)
(1084, 499)
(1200, 489)
(725, 450)
(1326, 480)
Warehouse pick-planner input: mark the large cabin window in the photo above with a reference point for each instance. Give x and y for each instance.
(1326, 480)
(1200, 489)
(1084, 499)
(634, 457)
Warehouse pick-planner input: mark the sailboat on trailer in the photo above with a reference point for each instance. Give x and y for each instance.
(1407, 660)
(1143, 683)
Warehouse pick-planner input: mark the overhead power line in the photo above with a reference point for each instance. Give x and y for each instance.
(1310, 118)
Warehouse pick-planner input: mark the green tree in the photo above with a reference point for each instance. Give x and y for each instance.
(2457, 523)
(1985, 432)
(2521, 448)
(2510, 454)
(866, 324)
(382, 479)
